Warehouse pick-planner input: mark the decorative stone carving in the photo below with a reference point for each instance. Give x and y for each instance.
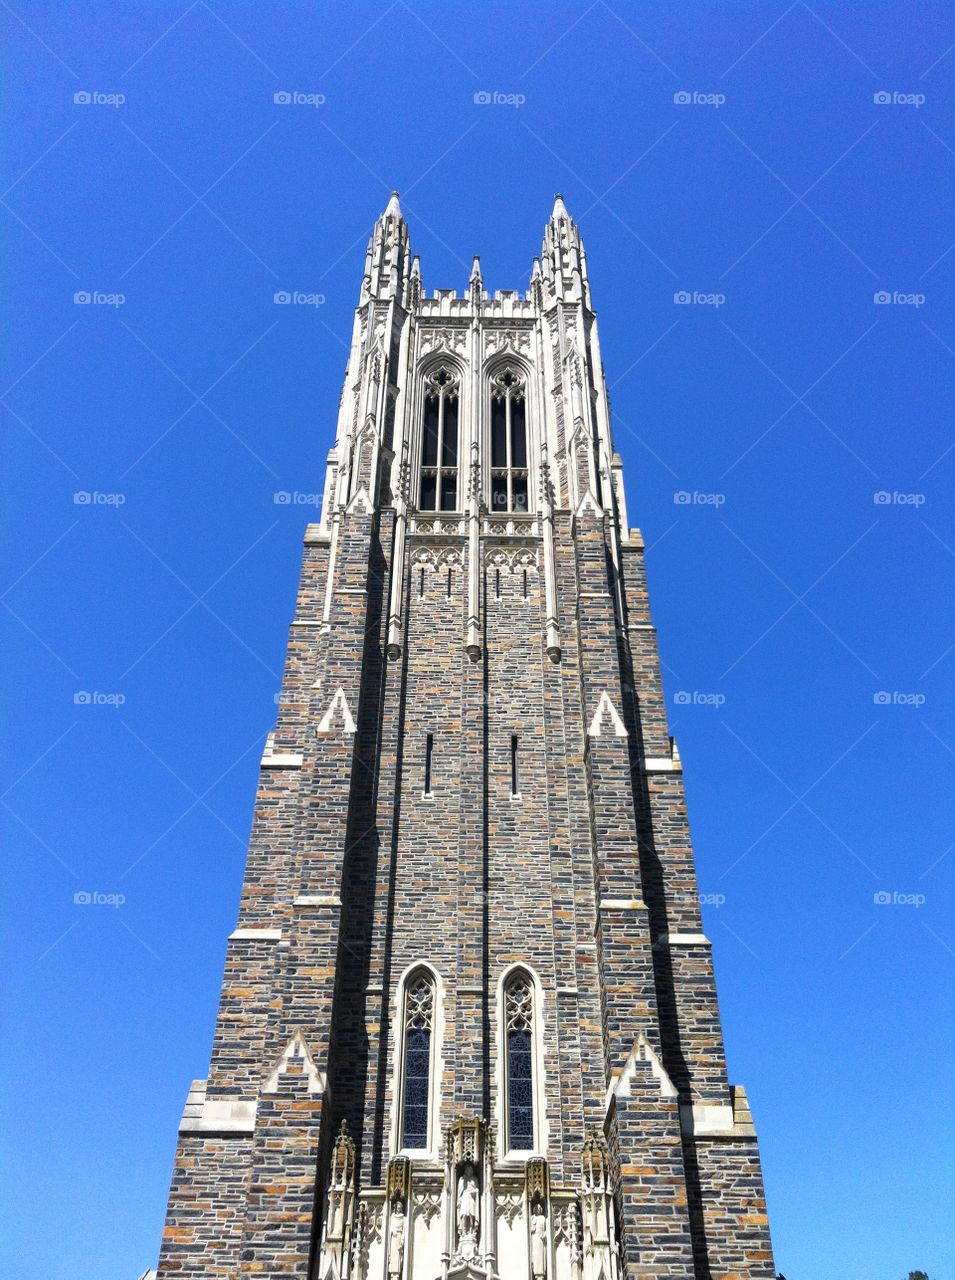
(538, 1243)
(396, 1241)
(448, 336)
(340, 1210)
(514, 338)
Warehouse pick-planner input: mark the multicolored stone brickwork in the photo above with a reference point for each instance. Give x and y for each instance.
(470, 786)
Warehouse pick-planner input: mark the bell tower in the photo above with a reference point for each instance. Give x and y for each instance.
(469, 1026)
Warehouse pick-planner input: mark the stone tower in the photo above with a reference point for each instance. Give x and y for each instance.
(468, 1025)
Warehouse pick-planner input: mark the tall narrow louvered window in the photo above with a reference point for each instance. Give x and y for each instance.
(508, 442)
(416, 1074)
(439, 442)
(519, 1074)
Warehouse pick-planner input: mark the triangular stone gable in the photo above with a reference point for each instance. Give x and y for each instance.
(606, 708)
(295, 1049)
(337, 708)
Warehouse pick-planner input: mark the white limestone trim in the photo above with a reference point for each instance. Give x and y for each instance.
(296, 1048)
(216, 1115)
(271, 759)
(316, 536)
(352, 591)
(317, 900)
(622, 904)
(338, 703)
(606, 708)
(250, 931)
(642, 626)
(286, 760)
(661, 764)
(307, 622)
(642, 1051)
(682, 940)
(707, 1119)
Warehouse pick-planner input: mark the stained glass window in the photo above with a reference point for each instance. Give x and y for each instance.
(439, 445)
(519, 1023)
(508, 442)
(418, 1020)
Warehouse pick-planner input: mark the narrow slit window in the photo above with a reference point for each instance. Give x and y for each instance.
(421, 584)
(525, 584)
(416, 1090)
(519, 1048)
(515, 776)
(439, 447)
(428, 759)
(450, 578)
(509, 474)
(497, 583)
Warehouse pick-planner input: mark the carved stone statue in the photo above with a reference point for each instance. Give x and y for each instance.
(538, 1244)
(468, 1207)
(396, 1240)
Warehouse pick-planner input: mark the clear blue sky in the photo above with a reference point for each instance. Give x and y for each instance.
(785, 595)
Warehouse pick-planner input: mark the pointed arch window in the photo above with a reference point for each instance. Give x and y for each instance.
(439, 441)
(508, 441)
(519, 1061)
(418, 1017)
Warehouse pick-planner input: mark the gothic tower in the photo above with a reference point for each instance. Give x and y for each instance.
(468, 1025)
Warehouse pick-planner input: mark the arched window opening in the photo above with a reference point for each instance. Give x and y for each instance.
(508, 442)
(519, 1074)
(439, 447)
(416, 1081)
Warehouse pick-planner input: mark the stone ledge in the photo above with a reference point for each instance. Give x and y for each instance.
(254, 934)
(681, 940)
(316, 536)
(216, 1115)
(317, 900)
(622, 904)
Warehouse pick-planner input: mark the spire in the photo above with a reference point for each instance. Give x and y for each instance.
(563, 261)
(387, 262)
(476, 283)
(475, 276)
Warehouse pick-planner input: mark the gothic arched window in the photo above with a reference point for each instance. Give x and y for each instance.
(439, 445)
(519, 1061)
(508, 441)
(418, 1026)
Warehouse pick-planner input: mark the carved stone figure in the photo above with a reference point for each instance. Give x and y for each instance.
(468, 1204)
(538, 1243)
(396, 1240)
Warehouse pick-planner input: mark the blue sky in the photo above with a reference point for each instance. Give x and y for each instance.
(785, 438)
